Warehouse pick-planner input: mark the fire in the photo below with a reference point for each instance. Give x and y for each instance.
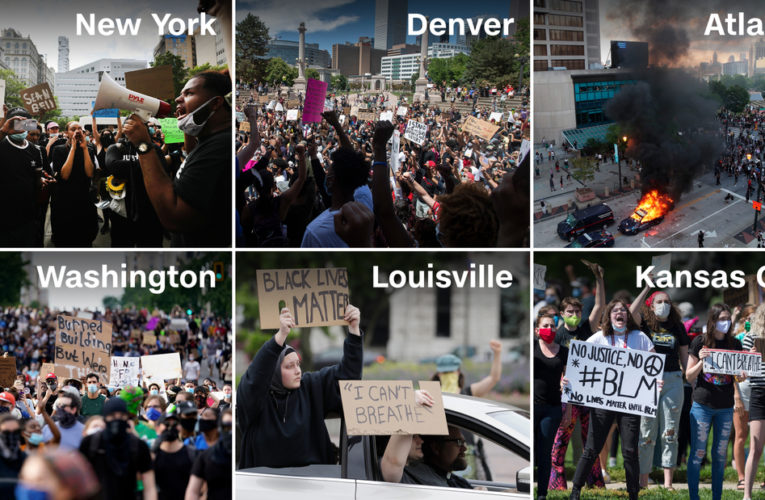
(653, 204)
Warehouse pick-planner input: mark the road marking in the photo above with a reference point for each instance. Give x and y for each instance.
(698, 222)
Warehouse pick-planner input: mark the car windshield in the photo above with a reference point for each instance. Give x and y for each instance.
(577, 244)
(571, 220)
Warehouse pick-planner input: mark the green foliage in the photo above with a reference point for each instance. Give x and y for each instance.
(734, 97)
(279, 71)
(206, 67)
(583, 169)
(251, 41)
(496, 61)
(339, 82)
(180, 73)
(13, 86)
(413, 79)
(312, 73)
(110, 302)
(12, 277)
(450, 70)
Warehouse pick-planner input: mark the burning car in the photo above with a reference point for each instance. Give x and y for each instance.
(593, 239)
(649, 212)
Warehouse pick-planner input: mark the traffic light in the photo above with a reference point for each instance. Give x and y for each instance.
(218, 268)
(189, 312)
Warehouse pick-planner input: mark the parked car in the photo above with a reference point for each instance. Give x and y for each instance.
(585, 220)
(636, 222)
(503, 430)
(593, 239)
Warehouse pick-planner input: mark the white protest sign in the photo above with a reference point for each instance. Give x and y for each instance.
(539, 276)
(415, 132)
(279, 107)
(271, 105)
(525, 148)
(386, 116)
(726, 362)
(341, 119)
(328, 105)
(161, 367)
(401, 111)
(661, 263)
(292, 115)
(2, 97)
(395, 148)
(179, 324)
(496, 116)
(612, 378)
(124, 371)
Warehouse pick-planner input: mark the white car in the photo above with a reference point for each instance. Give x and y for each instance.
(501, 436)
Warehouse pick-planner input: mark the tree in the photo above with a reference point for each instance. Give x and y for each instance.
(494, 60)
(413, 79)
(450, 70)
(110, 302)
(736, 98)
(206, 67)
(583, 169)
(279, 71)
(339, 82)
(180, 73)
(251, 41)
(12, 278)
(13, 88)
(312, 73)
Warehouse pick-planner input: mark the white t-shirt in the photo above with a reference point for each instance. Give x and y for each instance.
(191, 370)
(635, 340)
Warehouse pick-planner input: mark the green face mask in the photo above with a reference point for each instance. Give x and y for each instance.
(572, 321)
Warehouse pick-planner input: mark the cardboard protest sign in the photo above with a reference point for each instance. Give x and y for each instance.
(346, 110)
(293, 103)
(263, 99)
(45, 369)
(724, 362)
(496, 116)
(136, 334)
(354, 111)
(155, 82)
(480, 128)
(401, 111)
(292, 115)
(386, 116)
(315, 297)
(315, 94)
(174, 338)
(612, 378)
(415, 132)
(366, 116)
(82, 346)
(539, 276)
(173, 135)
(38, 99)
(384, 407)
(2, 97)
(244, 127)
(124, 371)
(149, 339)
(158, 367)
(7, 371)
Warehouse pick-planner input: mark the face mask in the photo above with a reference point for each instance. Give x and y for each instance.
(66, 419)
(190, 390)
(25, 493)
(550, 299)
(18, 137)
(227, 396)
(4, 409)
(619, 329)
(35, 439)
(450, 382)
(188, 424)
(151, 130)
(547, 335)
(94, 430)
(576, 292)
(207, 425)
(572, 321)
(189, 126)
(11, 439)
(661, 310)
(92, 388)
(170, 434)
(722, 326)
(154, 392)
(52, 385)
(153, 414)
(116, 429)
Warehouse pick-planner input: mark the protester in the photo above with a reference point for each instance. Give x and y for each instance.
(93, 402)
(756, 404)
(281, 410)
(212, 468)
(173, 460)
(59, 474)
(453, 381)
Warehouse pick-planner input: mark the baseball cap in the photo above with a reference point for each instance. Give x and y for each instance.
(7, 397)
(50, 376)
(448, 363)
(185, 407)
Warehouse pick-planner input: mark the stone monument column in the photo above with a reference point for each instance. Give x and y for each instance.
(421, 84)
(300, 81)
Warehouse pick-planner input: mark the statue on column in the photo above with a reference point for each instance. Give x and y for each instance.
(300, 81)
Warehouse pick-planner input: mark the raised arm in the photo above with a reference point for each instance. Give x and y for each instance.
(635, 306)
(289, 196)
(395, 233)
(483, 387)
(600, 294)
(333, 120)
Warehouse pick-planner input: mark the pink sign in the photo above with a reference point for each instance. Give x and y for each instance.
(315, 94)
(152, 324)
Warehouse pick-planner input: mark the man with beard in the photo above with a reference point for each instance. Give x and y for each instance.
(118, 457)
(66, 417)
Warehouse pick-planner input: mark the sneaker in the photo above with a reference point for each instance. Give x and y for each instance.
(606, 476)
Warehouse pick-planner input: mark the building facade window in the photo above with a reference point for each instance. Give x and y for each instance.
(566, 35)
(540, 34)
(561, 20)
(566, 50)
(540, 50)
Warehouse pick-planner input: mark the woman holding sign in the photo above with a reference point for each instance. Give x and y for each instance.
(281, 410)
(714, 398)
(756, 403)
(658, 436)
(619, 329)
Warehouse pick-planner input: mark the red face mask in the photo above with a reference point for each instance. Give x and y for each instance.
(547, 334)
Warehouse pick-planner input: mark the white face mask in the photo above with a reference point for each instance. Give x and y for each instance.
(662, 310)
(189, 126)
(722, 326)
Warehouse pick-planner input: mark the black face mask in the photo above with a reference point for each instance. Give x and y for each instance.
(4, 409)
(188, 424)
(207, 425)
(170, 434)
(67, 420)
(116, 430)
(11, 439)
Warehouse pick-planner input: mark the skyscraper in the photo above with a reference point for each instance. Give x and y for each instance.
(566, 34)
(390, 23)
(63, 54)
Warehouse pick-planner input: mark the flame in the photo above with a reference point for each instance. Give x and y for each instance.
(654, 204)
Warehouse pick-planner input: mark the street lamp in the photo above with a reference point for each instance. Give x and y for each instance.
(619, 163)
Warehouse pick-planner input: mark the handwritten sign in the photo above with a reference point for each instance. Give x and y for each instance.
(496, 116)
(293, 103)
(733, 362)
(401, 111)
(395, 150)
(292, 115)
(7, 371)
(173, 135)
(384, 407)
(82, 346)
(264, 99)
(124, 371)
(160, 367)
(415, 132)
(365, 116)
(315, 94)
(315, 297)
(611, 378)
(386, 116)
(38, 99)
(149, 339)
(481, 128)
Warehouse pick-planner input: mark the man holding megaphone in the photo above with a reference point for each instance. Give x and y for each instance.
(195, 204)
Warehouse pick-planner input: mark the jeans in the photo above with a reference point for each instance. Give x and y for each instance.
(629, 430)
(702, 418)
(658, 436)
(546, 421)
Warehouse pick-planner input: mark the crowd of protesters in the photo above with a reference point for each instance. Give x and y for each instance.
(84, 438)
(742, 157)
(691, 402)
(334, 183)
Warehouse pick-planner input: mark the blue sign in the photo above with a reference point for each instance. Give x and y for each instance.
(616, 153)
(105, 113)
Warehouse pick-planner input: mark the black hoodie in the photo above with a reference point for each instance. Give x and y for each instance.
(286, 428)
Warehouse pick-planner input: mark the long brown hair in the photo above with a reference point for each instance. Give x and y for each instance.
(712, 317)
(674, 320)
(605, 320)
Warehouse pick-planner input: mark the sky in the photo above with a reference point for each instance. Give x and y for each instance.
(45, 20)
(338, 21)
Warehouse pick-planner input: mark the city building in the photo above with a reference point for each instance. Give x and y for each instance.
(77, 89)
(211, 49)
(519, 10)
(20, 56)
(357, 59)
(182, 46)
(566, 35)
(63, 54)
(404, 48)
(404, 66)
(390, 23)
(2, 59)
(288, 51)
(733, 67)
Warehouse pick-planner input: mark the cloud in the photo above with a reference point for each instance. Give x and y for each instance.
(286, 16)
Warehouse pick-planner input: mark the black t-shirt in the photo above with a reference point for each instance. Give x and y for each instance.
(668, 340)
(583, 331)
(19, 177)
(204, 183)
(172, 471)
(217, 475)
(547, 374)
(113, 486)
(713, 390)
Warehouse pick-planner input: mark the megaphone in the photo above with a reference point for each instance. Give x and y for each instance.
(113, 95)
